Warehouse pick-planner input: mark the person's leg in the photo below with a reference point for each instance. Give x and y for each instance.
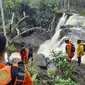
(22, 58)
(69, 59)
(29, 56)
(26, 60)
(31, 60)
(79, 60)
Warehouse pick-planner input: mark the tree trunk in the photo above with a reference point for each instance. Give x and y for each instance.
(19, 22)
(11, 22)
(2, 15)
(68, 4)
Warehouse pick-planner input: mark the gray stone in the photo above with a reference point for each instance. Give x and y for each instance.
(40, 61)
(79, 73)
(48, 60)
(51, 66)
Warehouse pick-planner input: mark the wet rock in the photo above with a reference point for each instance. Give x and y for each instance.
(79, 73)
(40, 61)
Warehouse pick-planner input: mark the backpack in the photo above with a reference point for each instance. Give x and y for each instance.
(30, 48)
(30, 51)
(84, 47)
(17, 74)
(73, 48)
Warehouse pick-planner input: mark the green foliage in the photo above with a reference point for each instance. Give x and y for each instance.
(33, 73)
(1, 29)
(31, 70)
(11, 48)
(51, 73)
(45, 10)
(62, 64)
(11, 3)
(82, 12)
(64, 70)
(53, 77)
(60, 81)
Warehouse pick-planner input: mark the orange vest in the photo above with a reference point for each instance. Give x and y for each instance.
(5, 75)
(68, 50)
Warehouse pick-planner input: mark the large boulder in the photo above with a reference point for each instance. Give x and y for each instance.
(50, 64)
(79, 73)
(40, 61)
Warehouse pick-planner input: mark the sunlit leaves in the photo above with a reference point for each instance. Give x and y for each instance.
(11, 3)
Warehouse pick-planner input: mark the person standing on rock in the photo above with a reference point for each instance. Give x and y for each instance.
(24, 54)
(79, 51)
(30, 55)
(70, 49)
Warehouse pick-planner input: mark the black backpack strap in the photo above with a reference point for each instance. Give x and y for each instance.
(17, 74)
(14, 71)
(21, 73)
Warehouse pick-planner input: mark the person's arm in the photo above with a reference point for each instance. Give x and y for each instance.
(66, 48)
(27, 52)
(77, 51)
(28, 79)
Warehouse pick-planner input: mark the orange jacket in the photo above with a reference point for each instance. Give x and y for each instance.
(27, 80)
(26, 54)
(24, 57)
(68, 50)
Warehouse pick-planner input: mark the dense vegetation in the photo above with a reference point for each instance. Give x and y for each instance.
(40, 12)
(62, 75)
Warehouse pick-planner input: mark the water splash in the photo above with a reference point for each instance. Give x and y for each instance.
(76, 20)
(49, 45)
(61, 21)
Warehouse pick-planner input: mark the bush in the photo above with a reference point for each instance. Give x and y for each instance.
(82, 12)
(53, 77)
(10, 48)
(60, 81)
(33, 73)
(62, 64)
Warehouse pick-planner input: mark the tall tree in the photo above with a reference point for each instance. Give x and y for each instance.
(2, 15)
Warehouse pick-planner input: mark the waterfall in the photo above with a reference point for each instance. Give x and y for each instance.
(76, 20)
(61, 21)
(77, 31)
(49, 45)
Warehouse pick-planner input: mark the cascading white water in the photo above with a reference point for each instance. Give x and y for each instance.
(76, 20)
(76, 33)
(49, 45)
(61, 21)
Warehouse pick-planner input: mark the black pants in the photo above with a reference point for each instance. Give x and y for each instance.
(79, 60)
(30, 56)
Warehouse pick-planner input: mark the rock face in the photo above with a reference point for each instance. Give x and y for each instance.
(43, 63)
(79, 73)
(50, 64)
(40, 61)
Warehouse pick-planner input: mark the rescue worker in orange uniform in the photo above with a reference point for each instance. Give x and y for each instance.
(6, 71)
(24, 54)
(68, 48)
